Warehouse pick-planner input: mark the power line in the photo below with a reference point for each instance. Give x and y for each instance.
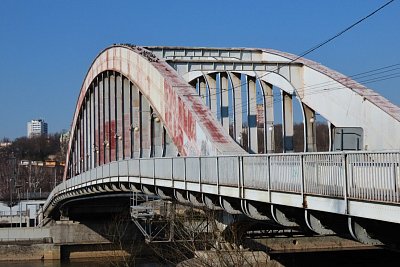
(312, 49)
(369, 76)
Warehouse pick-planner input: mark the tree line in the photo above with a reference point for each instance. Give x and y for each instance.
(22, 171)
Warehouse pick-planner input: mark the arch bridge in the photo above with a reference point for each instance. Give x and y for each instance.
(216, 127)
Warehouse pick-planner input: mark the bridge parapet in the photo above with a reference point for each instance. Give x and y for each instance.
(349, 183)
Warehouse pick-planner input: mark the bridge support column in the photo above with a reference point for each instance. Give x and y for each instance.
(119, 132)
(237, 106)
(211, 80)
(145, 129)
(127, 119)
(268, 117)
(156, 142)
(224, 98)
(252, 114)
(136, 123)
(287, 122)
(203, 89)
(310, 132)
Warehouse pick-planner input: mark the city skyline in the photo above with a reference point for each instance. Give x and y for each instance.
(47, 47)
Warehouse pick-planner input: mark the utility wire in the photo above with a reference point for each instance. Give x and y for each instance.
(277, 97)
(312, 49)
(367, 77)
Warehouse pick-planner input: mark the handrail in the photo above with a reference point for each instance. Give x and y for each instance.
(368, 176)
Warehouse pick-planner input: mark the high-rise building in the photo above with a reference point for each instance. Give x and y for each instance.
(36, 128)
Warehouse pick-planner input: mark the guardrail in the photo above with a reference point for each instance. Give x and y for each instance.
(370, 176)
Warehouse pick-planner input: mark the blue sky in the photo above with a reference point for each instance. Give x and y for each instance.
(46, 47)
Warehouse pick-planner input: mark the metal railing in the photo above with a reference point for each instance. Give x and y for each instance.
(369, 176)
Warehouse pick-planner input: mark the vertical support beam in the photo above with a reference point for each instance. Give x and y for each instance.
(268, 116)
(88, 133)
(212, 86)
(81, 152)
(202, 89)
(85, 133)
(96, 123)
(126, 118)
(101, 121)
(92, 127)
(113, 118)
(158, 136)
(224, 101)
(310, 129)
(145, 129)
(287, 119)
(136, 122)
(119, 109)
(252, 114)
(77, 144)
(152, 134)
(107, 129)
(237, 106)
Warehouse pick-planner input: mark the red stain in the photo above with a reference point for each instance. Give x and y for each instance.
(181, 113)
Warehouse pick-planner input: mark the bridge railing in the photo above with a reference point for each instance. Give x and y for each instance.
(373, 176)
(369, 176)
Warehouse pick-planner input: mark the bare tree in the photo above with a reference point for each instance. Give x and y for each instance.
(127, 245)
(197, 239)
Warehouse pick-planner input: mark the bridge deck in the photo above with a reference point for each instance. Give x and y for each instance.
(357, 184)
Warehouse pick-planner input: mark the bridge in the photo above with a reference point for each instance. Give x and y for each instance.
(202, 126)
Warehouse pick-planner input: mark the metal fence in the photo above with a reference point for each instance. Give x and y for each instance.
(369, 176)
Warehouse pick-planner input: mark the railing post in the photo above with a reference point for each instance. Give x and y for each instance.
(304, 204)
(241, 177)
(345, 183)
(269, 176)
(217, 174)
(140, 172)
(172, 173)
(395, 174)
(184, 174)
(154, 171)
(200, 189)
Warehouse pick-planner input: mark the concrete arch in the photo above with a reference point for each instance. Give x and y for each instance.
(342, 101)
(188, 122)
